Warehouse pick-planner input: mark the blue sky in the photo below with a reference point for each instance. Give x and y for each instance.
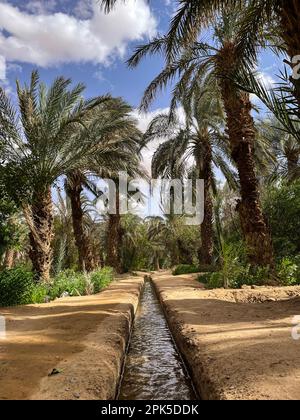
(100, 74)
(73, 38)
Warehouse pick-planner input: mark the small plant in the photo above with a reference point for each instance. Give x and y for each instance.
(288, 272)
(101, 278)
(16, 287)
(70, 282)
(232, 268)
(215, 281)
(204, 278)
(185, 269)
(39, 293)
(206, 268)
(234, 273)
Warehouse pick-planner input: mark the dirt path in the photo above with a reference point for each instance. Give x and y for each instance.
(82, 337)
(238, 344)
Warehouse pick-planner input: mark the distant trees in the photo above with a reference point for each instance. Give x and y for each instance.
(56, 134)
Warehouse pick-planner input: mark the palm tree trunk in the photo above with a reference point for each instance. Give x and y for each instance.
(85, 252)
(157, 264)
(241, 132)
(9, 259)
(98, 257)
(292, 163)
(185, 256)
(39, 217)
(289, 15)
(114, 239)
(206, 230)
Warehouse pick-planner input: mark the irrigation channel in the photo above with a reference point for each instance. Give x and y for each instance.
(153, 368)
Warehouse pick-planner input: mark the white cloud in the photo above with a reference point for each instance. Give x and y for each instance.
(2, 68)
(48, 39)
(266, 79)
(144, 120)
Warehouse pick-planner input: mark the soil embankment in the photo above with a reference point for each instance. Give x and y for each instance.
(238, 345)
(83, 339)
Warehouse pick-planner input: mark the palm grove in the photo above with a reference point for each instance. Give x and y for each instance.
(249, 233)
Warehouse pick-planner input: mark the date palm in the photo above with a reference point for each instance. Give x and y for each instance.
(115, 231)
(49, 137)
(204, 141)
(223, 59)
(192, 17)
(113, 153)
(285, 148)
(163, 235)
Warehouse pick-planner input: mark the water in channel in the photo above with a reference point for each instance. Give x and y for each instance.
(153, 370)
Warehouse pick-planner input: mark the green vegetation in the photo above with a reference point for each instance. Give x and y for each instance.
(234, 275)
(185, 269)
(17, 286)
(101, 279)
(58, 148)
(193, 269)
(282, 208)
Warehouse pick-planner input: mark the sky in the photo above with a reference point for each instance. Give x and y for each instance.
(76, 39)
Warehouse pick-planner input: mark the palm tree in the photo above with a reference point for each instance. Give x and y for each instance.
(115, 231)
(63, 238)
(223, 60)
(162, 232)
(56, 129)
(112, 154)
(74, 188)
(201, 138)
(281, 17)
(285, 147)
(286, 16)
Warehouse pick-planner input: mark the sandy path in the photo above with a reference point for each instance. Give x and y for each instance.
(236, 349)
(84, 337)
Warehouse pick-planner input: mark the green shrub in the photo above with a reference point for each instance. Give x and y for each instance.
(101, 278)
(185, 269)
(288, 271)
(215, 281)
(297, 261)
(16, 287)
(282, 208)
(204, 278)
(39, 293)
(205, 268)
(68, 281)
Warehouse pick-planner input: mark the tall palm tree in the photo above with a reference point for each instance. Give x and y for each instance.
(282, 18)
(204, 141)
(74, 188)
(223, 59)
(162, 234)
(112, 154)
(63, 243)
(285, 147)
(56, 129)
(115, 230)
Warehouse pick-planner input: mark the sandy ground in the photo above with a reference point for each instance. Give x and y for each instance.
(83, 338)
(237, 344)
